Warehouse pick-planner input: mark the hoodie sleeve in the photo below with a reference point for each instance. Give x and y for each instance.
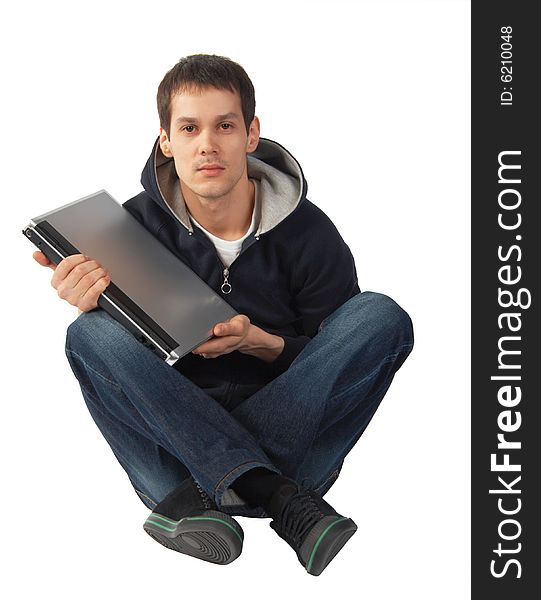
(324, 278)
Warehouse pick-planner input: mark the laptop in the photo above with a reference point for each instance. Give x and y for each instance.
(157, 297)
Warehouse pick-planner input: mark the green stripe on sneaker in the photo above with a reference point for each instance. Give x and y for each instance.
(167, 520)
(161, 526)
(149, 520)
(309, 565)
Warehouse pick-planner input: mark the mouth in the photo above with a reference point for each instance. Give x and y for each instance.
(211, 170)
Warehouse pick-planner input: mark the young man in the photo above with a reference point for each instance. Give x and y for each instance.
(257, 421)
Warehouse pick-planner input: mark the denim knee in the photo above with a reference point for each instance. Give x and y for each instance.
(378, 314)
(96, 330)
(393, 318)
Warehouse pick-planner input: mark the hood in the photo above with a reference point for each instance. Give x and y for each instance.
(280, 185)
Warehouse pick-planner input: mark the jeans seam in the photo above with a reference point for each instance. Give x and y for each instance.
(334, 475)
(87, 366)
(145, 496)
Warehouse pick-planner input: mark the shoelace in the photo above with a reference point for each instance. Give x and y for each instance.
(204, 496)
(297, 517)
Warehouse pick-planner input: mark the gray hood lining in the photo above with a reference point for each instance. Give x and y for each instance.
(279, 189)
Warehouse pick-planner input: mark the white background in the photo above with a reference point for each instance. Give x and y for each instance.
(373, 99)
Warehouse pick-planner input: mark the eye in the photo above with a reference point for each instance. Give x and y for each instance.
(186, 128)
(228, 125)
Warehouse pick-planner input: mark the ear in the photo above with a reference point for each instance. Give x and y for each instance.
(253, 135)
(165, 144)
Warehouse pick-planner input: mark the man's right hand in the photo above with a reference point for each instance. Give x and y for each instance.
(77, 279)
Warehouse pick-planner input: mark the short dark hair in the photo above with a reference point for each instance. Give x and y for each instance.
(201, 71)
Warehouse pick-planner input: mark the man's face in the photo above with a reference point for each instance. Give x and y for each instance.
(207, 128)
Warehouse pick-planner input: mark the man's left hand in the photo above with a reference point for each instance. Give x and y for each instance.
(230, 336)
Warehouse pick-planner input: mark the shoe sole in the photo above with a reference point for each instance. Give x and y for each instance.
(324, 542)
(214, 536)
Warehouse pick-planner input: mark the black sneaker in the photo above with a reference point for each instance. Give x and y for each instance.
(187, 520)
(310, 526)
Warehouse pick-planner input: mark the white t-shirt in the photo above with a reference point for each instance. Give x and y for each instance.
(228, 250)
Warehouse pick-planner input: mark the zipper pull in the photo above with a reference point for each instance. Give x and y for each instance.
(226, 286)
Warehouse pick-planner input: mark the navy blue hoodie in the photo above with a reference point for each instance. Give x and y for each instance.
(292, 272)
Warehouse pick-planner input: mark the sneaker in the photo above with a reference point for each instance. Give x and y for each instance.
(309, 525)
(188, 520)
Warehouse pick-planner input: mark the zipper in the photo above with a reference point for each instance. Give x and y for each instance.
(226, 286)
(226, 272)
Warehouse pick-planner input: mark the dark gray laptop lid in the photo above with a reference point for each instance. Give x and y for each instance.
(181, 303)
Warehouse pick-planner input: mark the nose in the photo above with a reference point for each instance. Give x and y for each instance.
(207, 143)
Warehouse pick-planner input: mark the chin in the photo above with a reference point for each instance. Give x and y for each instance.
(212, 192)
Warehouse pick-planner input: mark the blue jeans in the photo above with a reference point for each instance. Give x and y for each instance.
(162, 427)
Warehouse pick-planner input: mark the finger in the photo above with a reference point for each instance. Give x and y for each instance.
(40, 258)
(237, 325)
(84, 275)
(220, 329)
(211, 355)
(89, 300)
(65, 266)
(213, 347)
(74, 292)
(228, 328)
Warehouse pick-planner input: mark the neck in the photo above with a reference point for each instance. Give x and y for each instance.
(227, 217)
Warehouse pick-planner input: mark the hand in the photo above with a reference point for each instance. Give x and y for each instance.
(230, 336)
(77, 279)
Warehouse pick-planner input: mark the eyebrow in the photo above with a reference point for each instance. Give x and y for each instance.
(229, 115)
